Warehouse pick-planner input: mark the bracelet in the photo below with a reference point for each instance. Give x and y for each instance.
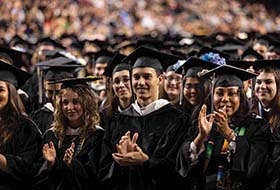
(230, 136)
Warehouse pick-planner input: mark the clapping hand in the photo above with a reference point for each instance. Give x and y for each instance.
(49, 153)
(68, 156)
(129, 153)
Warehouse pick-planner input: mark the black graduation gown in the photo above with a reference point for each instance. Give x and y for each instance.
(43, 117)
(21, 152)
(82, 174)
(245, 166)
(31, 88)
(159, 135)
(273, 162)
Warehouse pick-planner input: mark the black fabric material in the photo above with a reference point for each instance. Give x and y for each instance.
(160, 135)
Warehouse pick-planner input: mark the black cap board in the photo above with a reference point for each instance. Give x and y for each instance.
(259, 64)
(76, 82)
(147, 57)
(194, 65)
(227, 75)
(116, 65)
(12, 74)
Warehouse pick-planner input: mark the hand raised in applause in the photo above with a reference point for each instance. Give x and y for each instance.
(68, 156)
(49, 153)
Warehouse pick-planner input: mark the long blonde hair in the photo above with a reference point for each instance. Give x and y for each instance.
(90, 117)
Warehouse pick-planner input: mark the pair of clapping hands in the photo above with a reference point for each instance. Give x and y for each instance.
(129, 153)
(220, 119)
(49, 154)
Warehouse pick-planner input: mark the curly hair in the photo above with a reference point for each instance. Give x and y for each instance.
(90, 117)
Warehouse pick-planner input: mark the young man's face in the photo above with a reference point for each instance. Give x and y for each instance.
(145, 84)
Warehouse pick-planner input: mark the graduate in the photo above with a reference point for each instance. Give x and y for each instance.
(20, 142)
(195, 88)
(172, 85)
(267, 105)
(73, 142)
(140, 143)
(226, 150)
(52, 70)
(102, 58)
(118, 88)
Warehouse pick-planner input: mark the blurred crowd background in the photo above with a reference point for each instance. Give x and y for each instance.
(100, 19)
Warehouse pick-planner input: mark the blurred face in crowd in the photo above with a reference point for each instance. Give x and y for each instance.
(51, 90)
(146, 82)
(266, 88)
(260, 48)
(192, 90)
(227, 98)
(272, 55)
(172, 85)
(72, 107)
(121, 84)
(99, 70)
(4, 95)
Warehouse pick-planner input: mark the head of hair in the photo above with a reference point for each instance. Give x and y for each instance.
(90, 117)
(11, 114)
(274, 117)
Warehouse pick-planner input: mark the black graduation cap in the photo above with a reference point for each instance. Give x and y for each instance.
(12, 74)
(76, 82)
(251, 53)
(125, 44)
(206, 49)
(59, 68)
(50, 41)
(73, 37)
(96, 43)
(103, 56)
(116, 65)
(15, 55)
(147, 57)
(152, 43)
(243, 64)
(274, 46)
(21, 44)
(227, 75)
(16, 39)
(262, 39)
(259, 64)
(194, 65)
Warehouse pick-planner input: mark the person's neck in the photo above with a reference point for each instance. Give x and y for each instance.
(173, 99)
(144, 103)
(124, 103)
(75, 124)
(266, 106)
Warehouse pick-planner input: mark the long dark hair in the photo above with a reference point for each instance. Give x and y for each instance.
(11, 115)
(241, 114)
(273, 116)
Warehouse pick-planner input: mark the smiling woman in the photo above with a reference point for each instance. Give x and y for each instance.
(19, 135)
(227, 150)
(73, 138)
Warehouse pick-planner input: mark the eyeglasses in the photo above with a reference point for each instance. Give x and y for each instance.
(125, 81)
(193, 86)
(177, 80)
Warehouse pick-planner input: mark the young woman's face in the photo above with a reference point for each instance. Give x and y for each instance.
(192, 90)
(172, 84)
(4, 95)
(266, 88)
(121, 84)
(72, 107)
(228, 99)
